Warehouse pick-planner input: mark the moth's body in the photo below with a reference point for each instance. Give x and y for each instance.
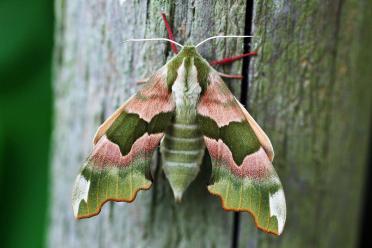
(182, 147)
(185, 107)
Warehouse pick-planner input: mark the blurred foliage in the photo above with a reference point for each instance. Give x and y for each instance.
(25, 120)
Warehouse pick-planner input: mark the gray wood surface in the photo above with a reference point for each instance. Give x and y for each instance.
(309, 89)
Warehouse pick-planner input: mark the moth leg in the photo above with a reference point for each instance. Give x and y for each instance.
(233, 76)
(142, 81)
(232, 59)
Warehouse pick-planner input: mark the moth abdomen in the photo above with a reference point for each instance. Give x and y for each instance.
(182, 150)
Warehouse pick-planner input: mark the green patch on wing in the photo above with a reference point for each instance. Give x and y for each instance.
(125, 130)
(243, 194)
(232, 135)
(208, 127)
(128, 127)
(110, 183)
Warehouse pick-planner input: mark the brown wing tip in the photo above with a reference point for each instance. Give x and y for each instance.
(98, 135)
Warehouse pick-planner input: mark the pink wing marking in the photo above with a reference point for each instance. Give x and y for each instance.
(151, 101)
(218, 103)
(106, 153)
(255, 166)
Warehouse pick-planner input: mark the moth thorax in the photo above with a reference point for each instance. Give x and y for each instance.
(186, 89)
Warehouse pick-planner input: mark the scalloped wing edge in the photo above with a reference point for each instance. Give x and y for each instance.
(272, 199)
(107, 175)
(252, 187)
(99, 207)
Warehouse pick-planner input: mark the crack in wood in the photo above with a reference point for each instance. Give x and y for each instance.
(244, 100)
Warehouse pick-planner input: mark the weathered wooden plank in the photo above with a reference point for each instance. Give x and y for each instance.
(305, 85)
(94, 73)
(311, 91)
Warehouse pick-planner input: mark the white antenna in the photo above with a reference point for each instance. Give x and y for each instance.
(155, 39)
(223, 36)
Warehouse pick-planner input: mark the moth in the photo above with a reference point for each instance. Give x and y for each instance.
(184, 108)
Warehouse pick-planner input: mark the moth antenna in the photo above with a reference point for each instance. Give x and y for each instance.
(155, 39)
(223, 36)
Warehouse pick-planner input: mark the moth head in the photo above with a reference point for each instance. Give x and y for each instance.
(189, 51)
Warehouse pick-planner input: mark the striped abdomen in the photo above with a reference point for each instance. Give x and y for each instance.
(182, 152)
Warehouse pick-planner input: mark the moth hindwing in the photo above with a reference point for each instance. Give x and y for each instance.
(184, 107)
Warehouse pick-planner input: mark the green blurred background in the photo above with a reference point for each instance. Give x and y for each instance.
(26, 41)
(26, 122)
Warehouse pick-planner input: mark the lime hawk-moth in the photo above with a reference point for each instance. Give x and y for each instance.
(184, 107)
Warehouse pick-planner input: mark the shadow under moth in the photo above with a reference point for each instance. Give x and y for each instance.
(184, 107)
